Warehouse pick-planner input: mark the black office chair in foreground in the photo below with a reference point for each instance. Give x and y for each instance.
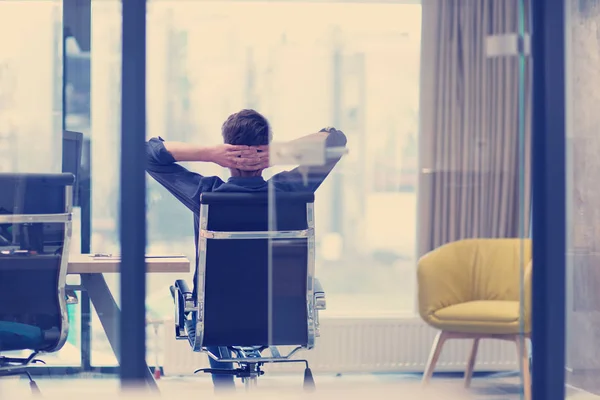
(256, 288)
(35, 228)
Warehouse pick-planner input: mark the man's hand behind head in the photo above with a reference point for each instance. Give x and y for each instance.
(257, 158)
(252, 158)
(244, 158)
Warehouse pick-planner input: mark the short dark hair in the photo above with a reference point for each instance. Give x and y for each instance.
(248, 128)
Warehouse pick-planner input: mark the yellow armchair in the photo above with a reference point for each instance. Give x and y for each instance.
(471, 289)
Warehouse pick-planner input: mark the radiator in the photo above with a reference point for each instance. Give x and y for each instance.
(350, 345)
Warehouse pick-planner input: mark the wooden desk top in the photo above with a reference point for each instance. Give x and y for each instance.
(86, 264)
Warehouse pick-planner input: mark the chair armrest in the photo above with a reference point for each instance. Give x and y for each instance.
(442, 279)
(179, 309)
(184, 303)
(318, 287)
(319, 293)
(71, 297)
(182, 286)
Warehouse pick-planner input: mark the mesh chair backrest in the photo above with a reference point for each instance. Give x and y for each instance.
(34, 213)
(238, 308)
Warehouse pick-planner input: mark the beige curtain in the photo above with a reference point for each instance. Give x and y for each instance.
(471, 183)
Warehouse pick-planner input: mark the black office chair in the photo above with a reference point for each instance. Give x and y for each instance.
(35, 228)
(256, 288)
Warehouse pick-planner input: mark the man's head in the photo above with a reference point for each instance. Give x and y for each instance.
(246, 128)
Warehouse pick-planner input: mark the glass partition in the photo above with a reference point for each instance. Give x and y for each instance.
(410, 130)
(31, 138)
(524, 162)
(436, 131)
(105, 153)
(582, 304)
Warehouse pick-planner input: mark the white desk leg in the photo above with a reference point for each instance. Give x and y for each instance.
(109, 315)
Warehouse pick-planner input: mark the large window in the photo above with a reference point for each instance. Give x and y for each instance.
(31, 72)
(30, 86)
(304, 66)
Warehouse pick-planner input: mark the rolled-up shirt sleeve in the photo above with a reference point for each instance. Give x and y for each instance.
(157, 154)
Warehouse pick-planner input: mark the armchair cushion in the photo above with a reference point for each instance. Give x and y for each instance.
(16, 336)
(491, 316)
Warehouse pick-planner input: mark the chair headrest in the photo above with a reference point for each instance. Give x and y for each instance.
(260, 198)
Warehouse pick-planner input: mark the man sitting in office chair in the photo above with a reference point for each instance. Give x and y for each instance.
(246, 137)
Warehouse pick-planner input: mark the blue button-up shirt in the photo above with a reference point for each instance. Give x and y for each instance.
(187, 186)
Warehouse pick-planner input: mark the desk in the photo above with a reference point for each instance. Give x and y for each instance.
(86, 264)
(91, 270)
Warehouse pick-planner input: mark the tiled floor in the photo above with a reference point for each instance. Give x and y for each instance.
(360, 386)
(363, 386)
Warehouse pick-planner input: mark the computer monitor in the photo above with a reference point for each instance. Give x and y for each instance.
(71, 159)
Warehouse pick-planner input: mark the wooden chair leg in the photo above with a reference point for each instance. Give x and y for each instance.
(434, 356)
(471, 363)
(523, 354)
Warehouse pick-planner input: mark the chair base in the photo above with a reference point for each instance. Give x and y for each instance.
(250, 369)
(18, 366)
(518, 339)
(249, 359)
(245, 371)
(249, 373)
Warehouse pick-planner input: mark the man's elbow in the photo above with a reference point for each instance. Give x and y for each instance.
(343, 139)
(336, 138)
(157, 155)
(150, 159)
(153, 163)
